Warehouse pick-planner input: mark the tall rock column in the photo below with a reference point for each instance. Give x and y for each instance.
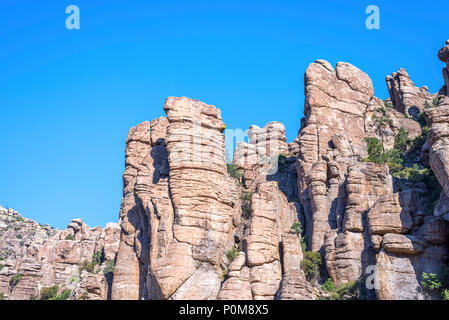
(335, 104)
(443, 55)
(146, 211)
(203, 198)
(438, 137)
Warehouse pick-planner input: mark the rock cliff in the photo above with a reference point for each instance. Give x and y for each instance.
(77, 263)
(356, 207)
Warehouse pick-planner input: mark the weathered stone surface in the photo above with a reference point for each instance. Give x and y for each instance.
(384, 122)
(438, 139)
(294, 286)
(188, 230)
(392, 214)
(270, 225)
(265, 280)
(365, 184)
(336, 101)
(40, 256)
(443, 55)
(178, 169)
(405, 97)
(434, 231)
(259, 157)
(398, 276)
(345, 255)
(130, 270)
(403, 244)
(237, 286)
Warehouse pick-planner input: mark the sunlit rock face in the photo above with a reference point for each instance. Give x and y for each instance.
(182, 212)
(34, 257)
(353, 211)
(405, 97)
(192, 226)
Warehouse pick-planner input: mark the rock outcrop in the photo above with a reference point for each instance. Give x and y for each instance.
(78, 259)
(178, 207)
(405, 97)
(353, 211)
(443, 55)
(359, 200)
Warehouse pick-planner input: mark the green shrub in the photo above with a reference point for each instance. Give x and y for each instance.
(311, 264)
(401, 140)
(64, 295)
(430, 281)
(303, 244)
(224, 274)
(49, 293)
(1, 267)
(3, 255)
(388, 104)
(297, 227)
(376, 154)
(109, 268)
(246, 201)
(383, 119)
(86, 265)
(282, 161)
(70, 237)
(232, 254)
(98, 257)
(329, 285)
(2, 296)
(74, 279)
(375, 150)
(422, 119)
(445, 294)
(434, 102)
(347, 291)
(83, 296)
(15, 279)
(412, 174)
(433, 190)
(234, 171)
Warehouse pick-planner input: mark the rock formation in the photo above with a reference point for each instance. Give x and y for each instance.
(364, 188)
(35, 257)
(405, 97)
(443, 55)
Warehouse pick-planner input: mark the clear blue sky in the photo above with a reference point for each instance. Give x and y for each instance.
(68, 98)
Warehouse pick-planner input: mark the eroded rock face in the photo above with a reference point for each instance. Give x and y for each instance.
(34, 257)
(182, 213)
(354, 215)
(438, 139)
(191, 230)
(183, 219)
(443, 55)
(405, 97)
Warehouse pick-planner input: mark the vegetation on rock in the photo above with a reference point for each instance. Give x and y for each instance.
(51, 293)
(15, 279)
(246, 199)
(297, 227)
(347, 291)
(234, 171)
(232, 254)
(311, 264)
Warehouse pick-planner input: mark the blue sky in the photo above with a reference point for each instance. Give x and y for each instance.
(68, 98)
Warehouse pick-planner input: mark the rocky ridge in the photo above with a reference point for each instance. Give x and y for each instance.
(356, 207)
(77, 262)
